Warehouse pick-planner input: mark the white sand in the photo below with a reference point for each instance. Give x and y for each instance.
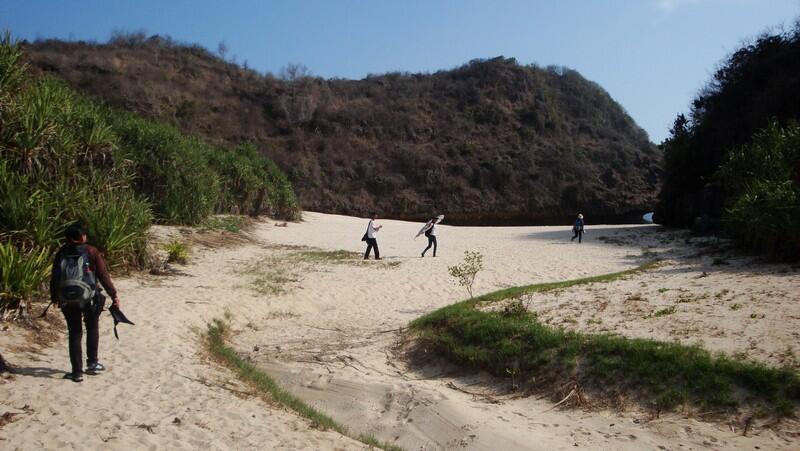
(331, 339)
(154, 376)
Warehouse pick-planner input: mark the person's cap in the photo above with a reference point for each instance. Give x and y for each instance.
(74, 232)
(580, 215)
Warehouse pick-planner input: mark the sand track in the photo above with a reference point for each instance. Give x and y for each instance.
(331, 338)
(160, 390)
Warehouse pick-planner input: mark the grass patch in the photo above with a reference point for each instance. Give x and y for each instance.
(372, 441)
(337, 257)
(271, 275)
(618, 241)
(514, 292)
(267, 387)
(660, 374)
(275, 273)
(233, 223)
(663, 312)
(319, 255)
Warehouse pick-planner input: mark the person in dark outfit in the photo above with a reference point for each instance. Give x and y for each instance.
(429, 229)
(76, 242)
(372, 242)
(577, 229)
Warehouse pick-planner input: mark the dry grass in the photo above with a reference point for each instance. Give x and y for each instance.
(284, 266)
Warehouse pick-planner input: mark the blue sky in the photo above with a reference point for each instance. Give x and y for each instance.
(651, 55)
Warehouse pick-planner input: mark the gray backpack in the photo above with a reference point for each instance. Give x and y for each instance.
(77, 285)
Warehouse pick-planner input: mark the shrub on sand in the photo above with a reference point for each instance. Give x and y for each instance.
(465, 272)
(177, 252)
(22, 273)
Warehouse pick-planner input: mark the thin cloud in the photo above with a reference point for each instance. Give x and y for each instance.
(671, 5)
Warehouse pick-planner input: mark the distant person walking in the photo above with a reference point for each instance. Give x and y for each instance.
(77, 268)
(429, 229)
(369, 237)
(577, 228)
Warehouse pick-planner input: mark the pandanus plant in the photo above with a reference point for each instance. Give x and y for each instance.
(22, 273)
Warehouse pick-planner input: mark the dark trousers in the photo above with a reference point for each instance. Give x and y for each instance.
(372, 243)
(578, 233)
(431, 242)
(90, 316)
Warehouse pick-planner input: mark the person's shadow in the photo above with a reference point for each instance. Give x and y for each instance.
(38, 371)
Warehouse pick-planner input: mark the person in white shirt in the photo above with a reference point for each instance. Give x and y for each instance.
(369, 237)
(429, 229)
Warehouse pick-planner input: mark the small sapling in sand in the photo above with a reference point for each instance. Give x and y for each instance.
(465, 272)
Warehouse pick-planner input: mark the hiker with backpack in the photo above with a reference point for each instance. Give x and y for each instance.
(369, 237)
(429, 229)
(77, 268)
(577, 229)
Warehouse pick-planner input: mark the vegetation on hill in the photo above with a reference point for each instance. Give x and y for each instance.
(734, 160)
(65, 158)
(491, 141)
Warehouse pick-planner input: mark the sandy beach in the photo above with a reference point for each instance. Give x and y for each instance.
(330, 332)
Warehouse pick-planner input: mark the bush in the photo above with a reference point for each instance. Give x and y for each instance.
(762, 212)
(64, 159)
(465, 272)
(117, 224)
(22, 273)
(282, 200)
(186, 180)
(12, 70)
(177, 252)
(756, 85)
(27, 213)
(251, 184)
(170, 171)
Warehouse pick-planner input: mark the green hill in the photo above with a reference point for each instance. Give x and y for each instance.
(491, 141)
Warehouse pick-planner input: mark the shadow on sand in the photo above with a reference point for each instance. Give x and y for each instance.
(38, 371)
(595, 233)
